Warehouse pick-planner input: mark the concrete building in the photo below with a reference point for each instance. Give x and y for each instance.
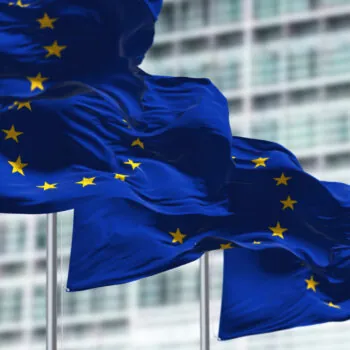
(284, 66)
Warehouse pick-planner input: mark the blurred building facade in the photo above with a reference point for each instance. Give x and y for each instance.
(284, 66)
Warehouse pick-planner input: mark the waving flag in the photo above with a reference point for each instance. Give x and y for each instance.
(271, 290)
(272, 203)
(68, 82)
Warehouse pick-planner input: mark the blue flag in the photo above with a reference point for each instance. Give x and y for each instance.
(68, 82)
(271, 203)
(271, 290)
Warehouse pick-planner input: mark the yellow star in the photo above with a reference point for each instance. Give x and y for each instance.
(177, 236)
(12, 134)
(133, 164)
(260, 162)
(54, 49)
(17, 166)
(330, 304)
(19, 4)
(138, 142)
(283, 180)
(311, 283)
(46, 21)
(86, 181)
(21, 105)
(226, 246)
(37, 82)
(289, 203)
(278, 230)
(256, 242)
(46, 186)
(120, 177)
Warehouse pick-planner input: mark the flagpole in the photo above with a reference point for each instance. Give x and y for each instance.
(51, 282)
(204, 302)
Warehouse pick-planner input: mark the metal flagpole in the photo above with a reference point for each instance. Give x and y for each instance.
(51, 282)
(204, 302)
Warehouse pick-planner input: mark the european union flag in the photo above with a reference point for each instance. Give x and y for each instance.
(297, 270)
(68, 82)
(271, 290)
(271, 203)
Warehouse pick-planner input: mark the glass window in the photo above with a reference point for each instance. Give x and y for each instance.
(303, 97)
(216, 275)
(302, 65)
(192, 14)
(70, 303)
(97, 300)
(266, 68)
(159, 51)
(40, 229)
(235, 107)
(338, 160)
(12, 236)
(65, 228)
(194, 45)
(166, 20)
(265, 130)
(338, 23)
(264, 35)
(151, 291)
(299, 5)
(173, 287)
(226, 11)
(190, 283)
(229, 40)
(267, 102)
(3, 231)
(39, 304)
(115, 298)
(335, 2)
(337, 129)
(266, 8)
(228, 75)
(337, 61)
(300, 30)
(114, 326)
(300, 132)
(10, 305)
(341, 91)
(10, 337)
(11, 269)
(195, 68)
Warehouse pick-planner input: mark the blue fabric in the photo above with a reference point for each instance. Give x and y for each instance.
(267, 290)
(155, 6)
(70, 124)
(183, 163)
(100, 37)
(134, 240)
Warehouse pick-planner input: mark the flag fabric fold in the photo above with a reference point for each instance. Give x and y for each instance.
(271, 290)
